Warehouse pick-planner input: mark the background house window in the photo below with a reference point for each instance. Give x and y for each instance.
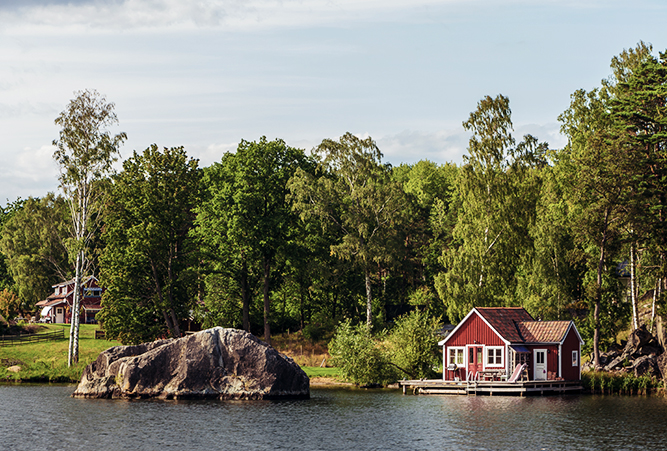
(575, 358)
(494, 356)
(455, 356)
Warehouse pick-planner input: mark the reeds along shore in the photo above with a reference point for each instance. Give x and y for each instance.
(621, 383)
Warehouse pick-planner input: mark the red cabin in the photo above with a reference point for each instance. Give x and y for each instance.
(496, 340)
(57, 307)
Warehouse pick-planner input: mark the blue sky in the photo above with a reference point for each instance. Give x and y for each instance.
(206, 74)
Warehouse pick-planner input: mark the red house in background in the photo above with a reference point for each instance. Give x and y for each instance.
(490, 339)
(57, 308)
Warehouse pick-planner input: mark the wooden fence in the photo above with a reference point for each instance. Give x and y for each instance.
(13, 340)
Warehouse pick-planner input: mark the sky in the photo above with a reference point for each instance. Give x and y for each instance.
(205, 74)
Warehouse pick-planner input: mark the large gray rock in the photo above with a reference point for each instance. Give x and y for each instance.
(215, 363)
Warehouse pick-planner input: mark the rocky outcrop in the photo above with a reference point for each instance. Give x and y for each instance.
(215, 363)
(641, 355)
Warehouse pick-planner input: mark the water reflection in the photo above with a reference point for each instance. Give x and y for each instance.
(46, 418)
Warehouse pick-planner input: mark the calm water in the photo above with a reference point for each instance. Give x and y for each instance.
(46, 418)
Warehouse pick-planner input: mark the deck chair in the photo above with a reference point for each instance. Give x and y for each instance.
(517, 372)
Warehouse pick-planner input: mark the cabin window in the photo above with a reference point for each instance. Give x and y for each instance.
(455, 356)
(494, 356)
(575, 358)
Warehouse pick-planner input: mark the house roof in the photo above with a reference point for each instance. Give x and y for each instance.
(543, 331)
(515, 325)
(504, 319)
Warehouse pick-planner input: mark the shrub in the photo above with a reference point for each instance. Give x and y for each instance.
(359, 356)
(413, 344)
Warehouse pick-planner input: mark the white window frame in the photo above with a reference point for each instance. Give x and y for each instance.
(494, 364)
(575, 358)
(460, 351)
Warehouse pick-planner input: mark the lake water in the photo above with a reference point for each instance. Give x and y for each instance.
(43, 417)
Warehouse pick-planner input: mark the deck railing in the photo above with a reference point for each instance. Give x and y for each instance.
(13, 340)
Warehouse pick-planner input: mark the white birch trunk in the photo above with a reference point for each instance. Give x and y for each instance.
(369, 300)
(633, 289)
(73, 349)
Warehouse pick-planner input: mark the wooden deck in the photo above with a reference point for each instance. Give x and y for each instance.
(489, 388)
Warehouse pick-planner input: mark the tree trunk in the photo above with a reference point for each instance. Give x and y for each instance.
(158, 289)
(245, 295)
(598, 292)
(633, 288)
(656, 295)
(369, 299)
(73, 348)
(267, 304)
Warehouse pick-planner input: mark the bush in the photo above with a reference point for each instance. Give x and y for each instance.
(359, 356)
(413, 344)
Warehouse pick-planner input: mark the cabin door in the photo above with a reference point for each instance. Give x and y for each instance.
(539, 364)
(475, 360)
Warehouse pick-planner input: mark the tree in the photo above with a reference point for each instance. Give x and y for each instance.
(360, 357)
(85, 152)
(413, 344)
(497, 189)
(355, 194)
(602, 176)
(639, 112)
(10, 304)
(33, 244)
(149, 258)
(6, 214)
(246, 215)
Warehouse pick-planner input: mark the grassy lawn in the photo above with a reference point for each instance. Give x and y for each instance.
(314, 371)
(47, 361)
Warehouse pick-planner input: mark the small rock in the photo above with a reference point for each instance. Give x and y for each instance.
(14, 369)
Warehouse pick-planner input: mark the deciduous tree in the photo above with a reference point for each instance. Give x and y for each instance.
(149, 258)
(355, 194)
(85, 152)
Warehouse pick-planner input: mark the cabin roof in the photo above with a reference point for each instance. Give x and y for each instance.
(515, 325)
(543, 331)
(504, 319)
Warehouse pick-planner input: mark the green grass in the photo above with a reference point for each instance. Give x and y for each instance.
(314, 371)
(622, 384)
(47, 361)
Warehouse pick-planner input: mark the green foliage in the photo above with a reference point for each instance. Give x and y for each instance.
(32, 243)
(9, 304)
(354, 194)
(498, 190)
(619, 383)
(246, 225)
(359, 356)
(413, 344)
(149, 257)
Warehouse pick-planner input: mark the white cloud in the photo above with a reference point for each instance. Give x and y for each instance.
(105, 16)
(30, 172)
(411, 146)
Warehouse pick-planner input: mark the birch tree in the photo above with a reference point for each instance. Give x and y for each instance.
(85, 152)
(498, 198)
(355, 195)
